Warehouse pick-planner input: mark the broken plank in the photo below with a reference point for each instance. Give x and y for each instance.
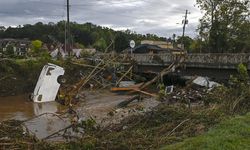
(124, 75)
(134, 89)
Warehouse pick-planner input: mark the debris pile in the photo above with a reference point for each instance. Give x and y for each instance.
(192, 94)
(96, 75)
(188, 96)
(15, 136)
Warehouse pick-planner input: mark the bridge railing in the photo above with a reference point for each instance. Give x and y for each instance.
(204, 60)
(197, 60)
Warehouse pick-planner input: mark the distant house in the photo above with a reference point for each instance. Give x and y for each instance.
(20, 47)
(80, 52)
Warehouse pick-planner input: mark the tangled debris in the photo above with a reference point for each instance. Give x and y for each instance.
(15, 136)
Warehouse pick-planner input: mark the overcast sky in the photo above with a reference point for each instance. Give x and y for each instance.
(158, 17)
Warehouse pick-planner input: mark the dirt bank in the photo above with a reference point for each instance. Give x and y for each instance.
(18, 77)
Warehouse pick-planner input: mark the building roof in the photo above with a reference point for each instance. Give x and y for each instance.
(146, 48)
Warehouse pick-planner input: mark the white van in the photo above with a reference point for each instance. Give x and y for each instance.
(47, 85)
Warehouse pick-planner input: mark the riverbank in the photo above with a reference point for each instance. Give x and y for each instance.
(18, 77)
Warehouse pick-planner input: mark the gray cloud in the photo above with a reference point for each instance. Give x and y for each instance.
(143, 16)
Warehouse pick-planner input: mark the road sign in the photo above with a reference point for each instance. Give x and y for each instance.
(132, 44)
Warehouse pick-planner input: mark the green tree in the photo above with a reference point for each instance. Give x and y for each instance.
(224, 24)
(187, 41)
(36, 46)
(121, 42)
(100, 44)
(197, 46)
(10, 51)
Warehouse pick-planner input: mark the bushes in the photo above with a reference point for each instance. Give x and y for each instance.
(236, 97)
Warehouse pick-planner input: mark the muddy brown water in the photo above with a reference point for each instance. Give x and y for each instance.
(21, 108)
(16, 107)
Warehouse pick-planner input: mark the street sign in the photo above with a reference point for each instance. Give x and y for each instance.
(132, 44)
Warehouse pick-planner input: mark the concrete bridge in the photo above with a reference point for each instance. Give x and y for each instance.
(219, 66)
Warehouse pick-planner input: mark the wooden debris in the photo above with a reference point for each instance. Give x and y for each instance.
(128, 101)
(132, 89)
(124, 75)
(164, 72)
(171, 132)
(119, 89)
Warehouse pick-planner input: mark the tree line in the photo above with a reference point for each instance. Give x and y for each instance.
(83, 35)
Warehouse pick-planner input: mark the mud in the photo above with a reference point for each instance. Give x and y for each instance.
(102, 107)
(21, 108)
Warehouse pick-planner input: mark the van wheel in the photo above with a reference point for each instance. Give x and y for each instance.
(61, 79)
(31, 96)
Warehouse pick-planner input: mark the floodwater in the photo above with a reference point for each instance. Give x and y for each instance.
(21, 108)
(16, 107)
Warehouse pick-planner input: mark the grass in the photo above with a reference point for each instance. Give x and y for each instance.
(233, 134)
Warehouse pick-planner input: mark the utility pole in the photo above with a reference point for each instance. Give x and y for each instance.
(185, 22)
(68, 37)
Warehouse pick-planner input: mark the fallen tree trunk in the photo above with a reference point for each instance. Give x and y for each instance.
(128, 101)
(132, 89)
(164, 72)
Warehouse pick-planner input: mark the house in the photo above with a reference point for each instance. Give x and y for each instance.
(19, 47)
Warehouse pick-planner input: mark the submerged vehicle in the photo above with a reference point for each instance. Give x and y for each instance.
(48, 84)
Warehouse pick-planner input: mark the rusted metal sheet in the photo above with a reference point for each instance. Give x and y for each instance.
(47, 85)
